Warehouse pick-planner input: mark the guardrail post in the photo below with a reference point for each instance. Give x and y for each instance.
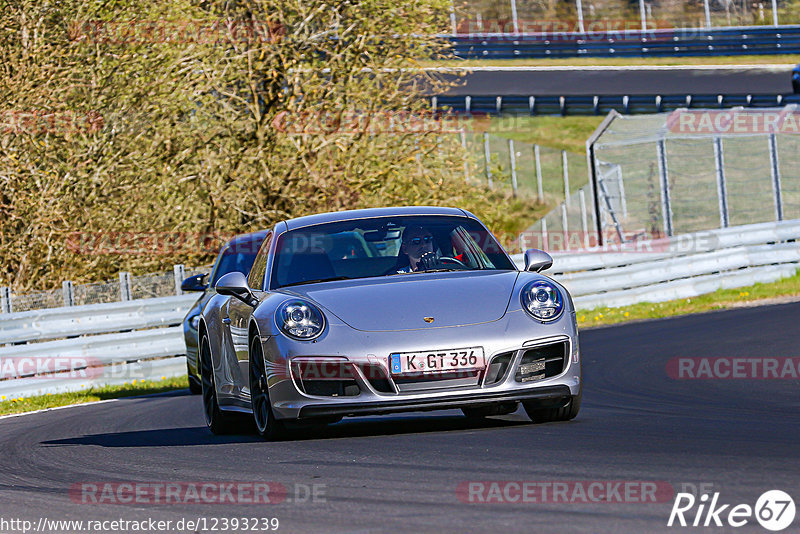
(775, 170)
(580, 16)
(544, 243)
(584, 218)
(643, 16)
(513, 160)
(565, 225)
(453, 26)
(68, 293)
(722, 190)
(666, 205)
(487, 156)
(5, 300)
(466, 155)
(124, 286)
(539, 187)
(708, 14)
(622, 201)
(180, 274)
(514, 18)
(774, 12)
(565, 172)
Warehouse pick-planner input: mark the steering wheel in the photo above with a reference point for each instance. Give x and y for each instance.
(448, 259)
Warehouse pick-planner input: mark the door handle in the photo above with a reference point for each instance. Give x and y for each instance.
(226, 320)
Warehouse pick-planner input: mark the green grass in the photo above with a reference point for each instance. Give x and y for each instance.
(552, 134)
(719, 300)
(138, 387)
(561, 133)
(783, 59)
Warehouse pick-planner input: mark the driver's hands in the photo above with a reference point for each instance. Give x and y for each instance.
(427, 261)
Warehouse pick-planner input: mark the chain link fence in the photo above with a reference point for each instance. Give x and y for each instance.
(527, 169)
(676, 173)
(544, 16)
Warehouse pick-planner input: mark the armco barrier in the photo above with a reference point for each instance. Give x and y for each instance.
(752, 40)
(118, 374)
(53, 323)
(92, 345)
(603, 104)
(138, 339)
(682, 267)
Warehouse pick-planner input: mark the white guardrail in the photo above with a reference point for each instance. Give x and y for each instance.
(142, 339)
(72, 348)
(680, 267)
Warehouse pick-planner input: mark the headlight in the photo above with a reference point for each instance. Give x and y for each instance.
(299, 319)
(194, 322)
(542, 300)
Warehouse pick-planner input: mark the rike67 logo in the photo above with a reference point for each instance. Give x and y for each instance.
(774, 510)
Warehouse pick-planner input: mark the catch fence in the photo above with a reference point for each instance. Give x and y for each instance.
(668, 174)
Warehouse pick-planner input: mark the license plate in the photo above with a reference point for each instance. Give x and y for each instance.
(437, 361)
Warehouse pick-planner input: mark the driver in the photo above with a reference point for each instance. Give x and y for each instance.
(418, 245)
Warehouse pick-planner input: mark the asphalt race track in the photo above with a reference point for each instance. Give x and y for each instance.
(569, 81)
(400, 474)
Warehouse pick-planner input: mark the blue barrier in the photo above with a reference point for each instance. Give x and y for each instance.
(654, 43)
(602, 104)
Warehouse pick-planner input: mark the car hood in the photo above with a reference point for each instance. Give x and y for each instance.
(402, 302)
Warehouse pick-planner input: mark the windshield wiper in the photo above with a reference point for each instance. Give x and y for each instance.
(304, 282)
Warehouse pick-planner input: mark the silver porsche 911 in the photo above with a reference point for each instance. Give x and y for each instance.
(386, 310)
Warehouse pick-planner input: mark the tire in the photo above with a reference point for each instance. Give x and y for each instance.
(266, 425)
(195, 387)
(546, 411)
(479, 412)
(218, 421)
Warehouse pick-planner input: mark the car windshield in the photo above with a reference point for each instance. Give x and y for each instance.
(238, 256)
(384, 246)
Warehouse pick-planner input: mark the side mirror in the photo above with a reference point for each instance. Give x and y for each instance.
(537, 260)
(194, 283)
(235, 285)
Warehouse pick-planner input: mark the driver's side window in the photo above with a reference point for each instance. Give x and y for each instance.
(256, 277)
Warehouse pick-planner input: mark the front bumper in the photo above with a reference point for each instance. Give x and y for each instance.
(514, 335)
(426, 404)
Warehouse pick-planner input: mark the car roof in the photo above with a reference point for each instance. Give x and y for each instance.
(348, 215)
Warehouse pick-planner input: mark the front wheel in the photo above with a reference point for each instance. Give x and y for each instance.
(545, 411)
(266, 425)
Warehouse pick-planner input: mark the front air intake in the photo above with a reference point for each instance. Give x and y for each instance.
(324, 377)
(542, 362)
(497, 368)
